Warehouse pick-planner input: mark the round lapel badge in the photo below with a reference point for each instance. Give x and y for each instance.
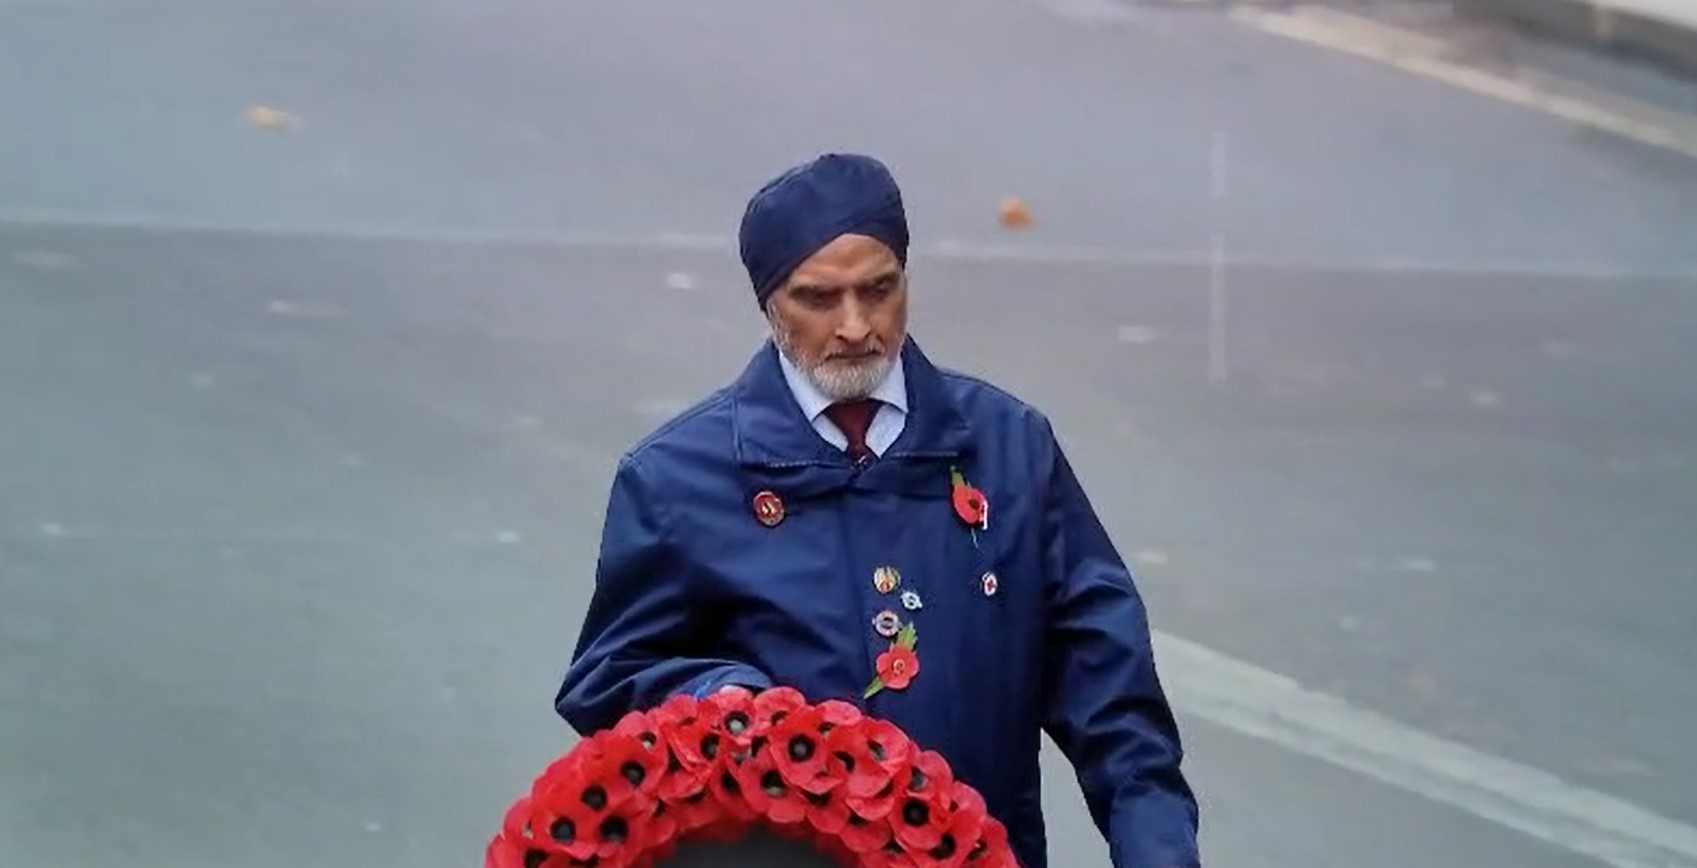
(768, 509)
(990, 584)
(886, 580)
(887, 624)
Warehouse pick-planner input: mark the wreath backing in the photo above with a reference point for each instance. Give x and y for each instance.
(855, 787)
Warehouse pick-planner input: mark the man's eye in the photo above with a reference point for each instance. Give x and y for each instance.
(881, 288)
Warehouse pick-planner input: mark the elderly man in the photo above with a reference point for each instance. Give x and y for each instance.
(852, 521)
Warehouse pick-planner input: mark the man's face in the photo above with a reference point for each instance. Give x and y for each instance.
(841, 317)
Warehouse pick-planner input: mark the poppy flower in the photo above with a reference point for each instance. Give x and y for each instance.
(679, 784)
(764, 789)
(890, 856)
(919, 824)
(608, 780)
(897, 666)
(970, 503)
(639, 764)
(865, 836)
(727, 794)
(692, 735)
(872, 752)
(515, 826)
(962, 830)
(771, 706)
(678, 708)
(798, 750)
(732, 714)
(564, 825)
(662, 826)
(561, 806)
(923, 806)
(695, 811)
(645, 729)
(877, 806)
(826, 812)
(622, 830)
(967, 815)
(503, 853)
(992, 850)
(836, 712)
(931, 779)
(566, 769)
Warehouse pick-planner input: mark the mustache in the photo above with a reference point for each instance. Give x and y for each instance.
(872, 351)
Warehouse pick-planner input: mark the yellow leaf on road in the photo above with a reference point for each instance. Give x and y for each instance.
(268, 118)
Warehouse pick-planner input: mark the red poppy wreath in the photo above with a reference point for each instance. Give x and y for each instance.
(855, 787)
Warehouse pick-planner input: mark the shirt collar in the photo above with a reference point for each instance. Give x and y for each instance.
(892, 391)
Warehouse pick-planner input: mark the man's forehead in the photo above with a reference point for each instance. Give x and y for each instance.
(825, 279)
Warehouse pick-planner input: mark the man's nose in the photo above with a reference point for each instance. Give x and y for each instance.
(856, 326)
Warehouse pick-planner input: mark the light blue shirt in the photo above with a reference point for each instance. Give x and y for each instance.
(886, 425)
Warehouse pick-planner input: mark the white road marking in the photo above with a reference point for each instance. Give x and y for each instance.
(942, 250)
(1217, 167)
(44, 260)
(1217, 264)
(303, 310)
(1090, 11)
(1426, 56)
(1137, 334)
(1265, 705)
(1217, 307)
(1152, 558)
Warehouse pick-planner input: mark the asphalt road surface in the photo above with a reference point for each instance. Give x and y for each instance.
(305, 433)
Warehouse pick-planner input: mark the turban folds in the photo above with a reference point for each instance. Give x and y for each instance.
(808, 206)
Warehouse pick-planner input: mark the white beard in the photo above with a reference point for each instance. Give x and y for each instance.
(835, 379)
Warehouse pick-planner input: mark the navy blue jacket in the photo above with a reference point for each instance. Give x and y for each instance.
(692, 593)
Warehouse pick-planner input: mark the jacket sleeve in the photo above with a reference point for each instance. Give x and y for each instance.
(645, 636)
(1104, 705)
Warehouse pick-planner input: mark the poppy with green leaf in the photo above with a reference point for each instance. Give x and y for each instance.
(898, 665)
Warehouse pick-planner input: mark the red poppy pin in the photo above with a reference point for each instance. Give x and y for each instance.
(970, 503)
(898, 665)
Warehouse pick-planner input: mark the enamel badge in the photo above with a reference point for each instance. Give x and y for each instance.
(990, 584)
(886, 580)
(887, 624)
(768, 509)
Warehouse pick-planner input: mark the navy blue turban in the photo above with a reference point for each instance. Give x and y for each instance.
(810, 205)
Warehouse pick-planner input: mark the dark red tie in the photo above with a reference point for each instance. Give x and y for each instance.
(854, 418)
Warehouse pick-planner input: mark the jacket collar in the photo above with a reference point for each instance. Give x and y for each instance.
(773, 431)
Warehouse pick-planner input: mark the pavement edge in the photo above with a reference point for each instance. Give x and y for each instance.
(1639, 33)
